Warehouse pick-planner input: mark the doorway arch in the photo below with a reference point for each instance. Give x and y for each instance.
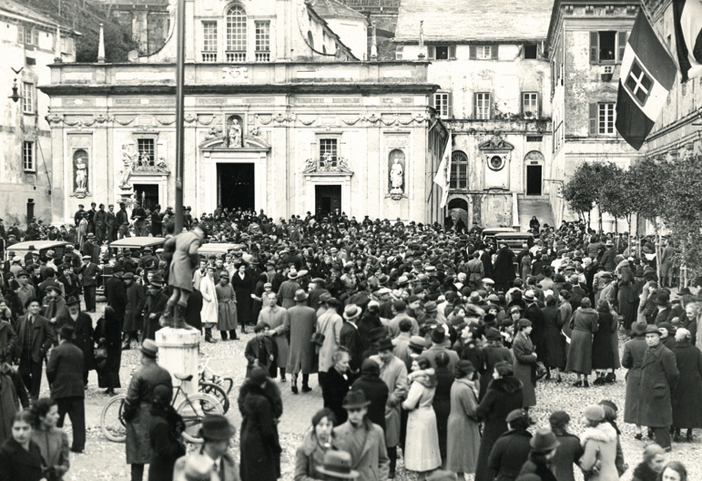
(534, 173)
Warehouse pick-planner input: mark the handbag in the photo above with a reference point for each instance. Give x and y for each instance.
(100, 354)
(318, 338)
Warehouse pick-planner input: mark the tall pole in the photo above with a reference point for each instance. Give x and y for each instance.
(180, 114)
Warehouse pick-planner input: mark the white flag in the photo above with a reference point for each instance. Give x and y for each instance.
(443, 174)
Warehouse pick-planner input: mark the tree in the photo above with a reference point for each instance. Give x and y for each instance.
(581, 191)
(618, 195)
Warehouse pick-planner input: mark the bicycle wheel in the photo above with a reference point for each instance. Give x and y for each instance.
(227, 384)
(112, 421)
(217, 392)
(193, 409)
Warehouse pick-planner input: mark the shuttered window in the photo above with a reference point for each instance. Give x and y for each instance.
(602, 116)
(607, 46)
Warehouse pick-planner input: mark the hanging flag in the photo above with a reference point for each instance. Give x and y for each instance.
(443, 173)
(647, 75)
(687, 18)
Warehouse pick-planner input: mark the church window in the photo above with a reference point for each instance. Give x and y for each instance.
(147, 151)
(236, 34)
(459, 170)
(209, 45)
(263, 41)
(328, 151)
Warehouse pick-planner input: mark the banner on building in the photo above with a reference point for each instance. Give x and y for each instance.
(647, 75)
(687, 18)
(443, 173)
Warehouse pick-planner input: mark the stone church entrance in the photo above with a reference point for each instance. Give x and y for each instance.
(327, 198)
(235, 185)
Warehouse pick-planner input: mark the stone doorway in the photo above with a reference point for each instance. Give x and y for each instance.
(235, 186)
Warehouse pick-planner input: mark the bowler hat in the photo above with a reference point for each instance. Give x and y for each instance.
(355, 399)
(438, 335)
(337, 464)
(544, 441)
(652, 329)
(149, 348)
(639, 328)
(662, 299)
(217, 428)
(300, 295)
(351, 311)
(72, 300)
(67, 332)
(385, 344)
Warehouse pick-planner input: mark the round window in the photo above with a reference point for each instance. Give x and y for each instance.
(496, 162)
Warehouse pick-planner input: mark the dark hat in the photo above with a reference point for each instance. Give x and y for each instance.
(67, 332)
(417, 342)
(652, 329)
(351, 311)
(524, 323)
(149, 348)
(300, 295)
(157, 280)
(464, 367)
(337, 464)
(493, 335)
(217, 428)
(684, 291)
(260, 327)
(355, 399)
(258, 376)
(517, 414)
(667, 326)
(53, 287)
(72, 300)
(544, 441)
(558, 419)
(128, 276)
(430, 307)
(385, 344)
(22, 273)
(438, 335)
(504, 368)
(594, 413)
(639, 328)
(662, 299)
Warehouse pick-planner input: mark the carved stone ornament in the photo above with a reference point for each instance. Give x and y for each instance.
(235, 74)
(327, 164)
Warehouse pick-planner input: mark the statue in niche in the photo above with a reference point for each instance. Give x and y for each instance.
(81, 171)
(130, 159)
(397, 173)
(234, 135)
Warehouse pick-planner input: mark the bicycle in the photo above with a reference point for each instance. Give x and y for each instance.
(226, 383)
(193, 408)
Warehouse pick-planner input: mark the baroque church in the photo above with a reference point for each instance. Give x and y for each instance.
(287, 110)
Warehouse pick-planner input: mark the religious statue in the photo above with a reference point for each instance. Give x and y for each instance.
(328, 160)
(144, 159)
(234, 135)
(129, 159)
(396, 176)
(81, 175)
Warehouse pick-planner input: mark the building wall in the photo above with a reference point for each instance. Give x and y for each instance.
(18, 186)
(354, 34)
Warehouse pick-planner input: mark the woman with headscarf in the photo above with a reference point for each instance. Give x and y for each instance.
(463, 434)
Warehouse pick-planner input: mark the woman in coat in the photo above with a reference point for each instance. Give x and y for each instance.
(329, 323)
(20, 457)
(493, 352)
(317, 441)
(165, 435)
(599, 443)
(52, 441)
(336, 385)
(503, 396)
(108, 335)
(627, 293)
(259, 442)
(525, 362)
(463, 439)
(226, 307)
(375, 389)
(442, 400)
(584, 325)
(553, 338)
(209, 310)
(421, 451)
(632, 359)
(688, 390)
(504, 268)
(244, 284)
(605, 346)
(652, 465)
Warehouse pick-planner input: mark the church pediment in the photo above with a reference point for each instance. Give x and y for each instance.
(251, 143)
(496, 143)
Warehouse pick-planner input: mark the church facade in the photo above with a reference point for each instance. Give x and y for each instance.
(280, 116)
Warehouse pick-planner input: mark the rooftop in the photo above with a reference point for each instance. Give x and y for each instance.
(11, 8)
(333, 9)
(469, 20)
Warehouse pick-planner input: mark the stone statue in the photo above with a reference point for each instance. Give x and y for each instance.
(397, 174)
(81, 175)
(129, 159)
(234, 135)
(144, 159)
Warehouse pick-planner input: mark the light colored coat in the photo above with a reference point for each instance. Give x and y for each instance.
(276, 318)
(209, 311)
(301, 321)
(463, 438)
(373, 463)
(394, 375)
(421, 451)
(600, 444)
(329, 323)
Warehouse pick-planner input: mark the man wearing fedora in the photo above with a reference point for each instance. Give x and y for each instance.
(659, 375)
(362, 439)
(350, 338)
(137, 407)
(301, 323)
(337, 465)
(154, 307)
(35, 336)
(438, 344)
(88, 273)
(212, 461)
(543, 448)
(64, 373)
(82, 324)
(287, 290)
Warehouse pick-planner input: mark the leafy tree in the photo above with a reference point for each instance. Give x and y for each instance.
(581, 190)
(618, 195)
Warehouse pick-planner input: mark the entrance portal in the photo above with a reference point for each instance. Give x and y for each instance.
(235, 186)
(147, 194)
(327, 198)
(533, 180)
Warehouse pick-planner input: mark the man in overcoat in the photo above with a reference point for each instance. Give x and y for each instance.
(275, 318)
(34, 339)
(89, 272)
(82, 324)
(185, 260)
(301, 324)
(65, 374)
(659, 375)
(133, 309)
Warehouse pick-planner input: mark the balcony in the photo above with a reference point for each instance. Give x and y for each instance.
(209, 57)
(263, 57)
(235, 56)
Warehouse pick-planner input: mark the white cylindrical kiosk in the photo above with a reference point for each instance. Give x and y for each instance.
(178, 353)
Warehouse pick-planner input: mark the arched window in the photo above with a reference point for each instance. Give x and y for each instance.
(459, 170)
(236, 34)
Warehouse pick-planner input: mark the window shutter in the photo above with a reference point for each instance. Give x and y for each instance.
(452, 52)
(449, 103)
(538, 103)
(523, 97)
(475, 105)
(494, 50)
(621, 43)
(593, 118)
(473, 52)
(594, 40)
(431, 52)
(490, 105)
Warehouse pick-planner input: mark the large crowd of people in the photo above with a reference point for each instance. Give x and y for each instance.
(426, 342)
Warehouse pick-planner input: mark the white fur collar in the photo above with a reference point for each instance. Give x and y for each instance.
(603, 432)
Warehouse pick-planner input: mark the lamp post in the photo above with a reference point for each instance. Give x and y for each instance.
(15, 92)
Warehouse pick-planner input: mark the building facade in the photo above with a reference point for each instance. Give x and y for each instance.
(30, 41)
(280, 116)
(494, 79)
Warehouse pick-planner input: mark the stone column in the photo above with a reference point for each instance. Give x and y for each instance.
(178, 353)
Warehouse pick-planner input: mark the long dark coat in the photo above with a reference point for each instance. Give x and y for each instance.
(193, 309)
(116, 295)
(554, 341)
(244, 304)
(333, 391)
(155, 304)
(42, 338)
(301, 324)
(509, 454)
(259, 442)
(525, 366)
(503, 396)
(632, 359)
(135, 306)
(604, 355)
(688, 391)
(18, 464)
(536, 316)
(375, 389)
(659, 375)
(442, 405)
(504, 267)
(492, 354)
(110, 331)
(166, 445)
(83, 332)
(584, 323)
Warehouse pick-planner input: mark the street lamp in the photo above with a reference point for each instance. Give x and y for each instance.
(15, 92)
